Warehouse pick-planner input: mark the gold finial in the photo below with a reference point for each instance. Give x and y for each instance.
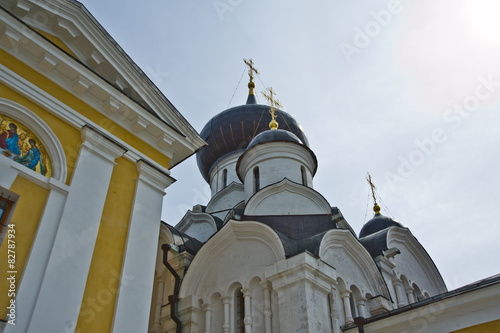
(273, 103)
(251, 71)
(376, 207)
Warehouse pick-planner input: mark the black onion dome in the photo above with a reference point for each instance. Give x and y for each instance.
(377, 223)
(233, 129)
(274, 135)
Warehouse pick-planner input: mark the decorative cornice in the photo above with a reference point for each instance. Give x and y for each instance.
(301, 268)
(61, 68)
(100, 145)
(154, 177)
(61, 110)
(287, 185)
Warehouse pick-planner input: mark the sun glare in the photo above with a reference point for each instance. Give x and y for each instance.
(483, 18)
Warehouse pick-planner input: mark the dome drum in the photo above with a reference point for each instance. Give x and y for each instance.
(275, 161)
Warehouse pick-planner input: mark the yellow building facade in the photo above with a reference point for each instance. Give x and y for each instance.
(86, 144)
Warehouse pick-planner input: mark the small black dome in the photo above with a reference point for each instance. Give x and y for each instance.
(232, 130)
(377, 223)
(274, 135)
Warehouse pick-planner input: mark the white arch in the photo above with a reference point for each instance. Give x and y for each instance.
(212, 263)
(42, 131)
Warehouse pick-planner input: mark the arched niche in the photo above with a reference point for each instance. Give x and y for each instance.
(33, 134)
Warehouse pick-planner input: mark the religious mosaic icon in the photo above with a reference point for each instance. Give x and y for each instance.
(18, 143)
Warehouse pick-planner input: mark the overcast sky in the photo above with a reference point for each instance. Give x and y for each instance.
(407, 90)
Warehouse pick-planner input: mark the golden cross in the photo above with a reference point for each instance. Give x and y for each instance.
(273, 103)
(251, 68)
(376, 208)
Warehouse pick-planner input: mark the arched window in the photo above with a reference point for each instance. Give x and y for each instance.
(352, 303)
(304, 175)
(256, 179)
(224, 178)
(239, 311)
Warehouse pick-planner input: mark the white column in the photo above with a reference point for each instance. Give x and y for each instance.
(134, 297)
(159, 303)
(361, 307)
(208, 316)
(409, 293)
(347, 306)
(267, 306)
(247, 295)
(227, 314)
(399, 292)
(65, 277)
(39, 256)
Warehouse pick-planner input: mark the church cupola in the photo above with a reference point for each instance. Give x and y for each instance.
(228, 134)
(378, 222)
(274, 155)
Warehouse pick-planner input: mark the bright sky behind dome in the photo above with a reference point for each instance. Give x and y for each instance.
(407, 90)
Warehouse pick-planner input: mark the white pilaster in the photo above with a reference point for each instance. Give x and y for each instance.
(134, 298)
(267, 306)
(227, 314)
(347, 306)
(39, 257)
(399, 292)
(361, 303)
(208, 316)
(409, 293)
(65, 277)
(247, 295)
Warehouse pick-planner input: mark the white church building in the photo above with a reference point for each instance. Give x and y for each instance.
(269, 253)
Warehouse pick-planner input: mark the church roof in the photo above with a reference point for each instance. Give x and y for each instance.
(233, 129)
(274, 135)
(377, 223)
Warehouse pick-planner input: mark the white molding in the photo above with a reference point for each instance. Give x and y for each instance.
(68, 21)
(100, 145)
(232, 190)
(397, 235)
(61, 110)
(191, 219)
(340, 238)
(233, 234)
(300, 268)
(303, 192)
(155, 178)
(42, 131)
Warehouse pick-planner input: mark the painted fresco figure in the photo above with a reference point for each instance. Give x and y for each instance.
(31, 158)
(10, 139)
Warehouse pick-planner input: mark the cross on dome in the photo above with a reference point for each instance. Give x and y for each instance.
(376, 207)
(273, 103)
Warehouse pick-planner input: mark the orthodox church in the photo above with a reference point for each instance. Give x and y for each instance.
(269, 253)
(87, 143)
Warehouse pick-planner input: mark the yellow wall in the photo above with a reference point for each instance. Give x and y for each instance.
(491, 327)
(96, 313)
(26, 217)
(82, 108)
